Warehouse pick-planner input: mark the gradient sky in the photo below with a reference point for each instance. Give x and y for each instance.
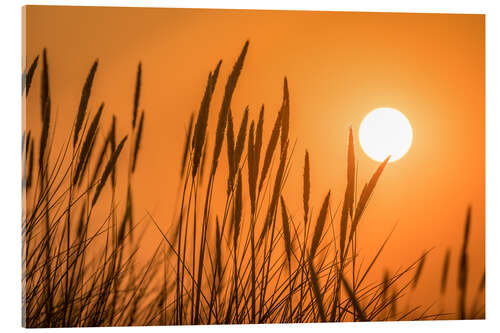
(339, 67)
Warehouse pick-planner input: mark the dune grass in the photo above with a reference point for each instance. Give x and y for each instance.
(252, 262)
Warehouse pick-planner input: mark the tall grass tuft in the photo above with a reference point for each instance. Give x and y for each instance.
(258, 139)
(286, 231)
(365, 196)
(87, 146)
(252, 167)
(202, 121)
(240, 140)
(86, 90)
(226, 103)
(187, 142)
(137, 94)
(446, 267)
(464, 267)
(28, 76)
(347, 206)
(271, 146)
(306, 186)
(419, 270)
(230, 149)
(74, 265)
(107, 170)
(320, 224)
(137, 144)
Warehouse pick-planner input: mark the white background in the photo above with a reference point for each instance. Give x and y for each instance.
(10, 162)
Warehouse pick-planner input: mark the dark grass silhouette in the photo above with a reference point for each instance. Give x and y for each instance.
(249, 263)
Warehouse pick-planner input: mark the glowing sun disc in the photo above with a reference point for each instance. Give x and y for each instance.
(384, 132)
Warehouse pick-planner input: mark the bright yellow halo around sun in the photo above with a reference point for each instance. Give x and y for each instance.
(384, 132)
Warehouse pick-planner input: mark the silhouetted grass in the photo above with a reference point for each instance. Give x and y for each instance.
(80, 267)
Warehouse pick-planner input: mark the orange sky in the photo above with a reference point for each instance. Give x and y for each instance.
(339, 67)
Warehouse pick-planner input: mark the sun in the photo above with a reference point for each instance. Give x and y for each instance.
(384, 132)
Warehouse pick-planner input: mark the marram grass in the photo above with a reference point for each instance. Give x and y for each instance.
(255, 261)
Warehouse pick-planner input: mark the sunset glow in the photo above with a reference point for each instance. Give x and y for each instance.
(219, 166)
(384, 132)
